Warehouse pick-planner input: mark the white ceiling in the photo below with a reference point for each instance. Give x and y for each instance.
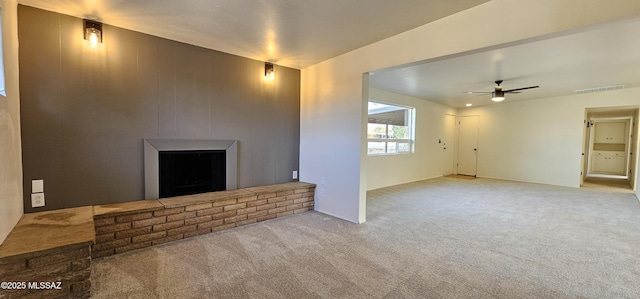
(603, 56)
(293, 33)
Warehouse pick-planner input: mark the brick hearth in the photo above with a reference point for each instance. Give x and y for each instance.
(57, 246)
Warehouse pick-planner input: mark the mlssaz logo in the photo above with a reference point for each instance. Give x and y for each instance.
(45, 285)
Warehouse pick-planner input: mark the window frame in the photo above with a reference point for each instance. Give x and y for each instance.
(398, 141)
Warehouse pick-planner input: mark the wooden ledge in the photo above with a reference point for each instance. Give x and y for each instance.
(279, 187)
(187, 200)
(127, 207)
(38, 233)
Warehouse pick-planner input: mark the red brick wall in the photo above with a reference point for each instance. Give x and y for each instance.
(69, 265)
(134, 230)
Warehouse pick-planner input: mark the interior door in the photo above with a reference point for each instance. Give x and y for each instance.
(467, 145)
(448, 153)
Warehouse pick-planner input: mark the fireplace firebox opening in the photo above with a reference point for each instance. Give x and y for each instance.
(191, 172)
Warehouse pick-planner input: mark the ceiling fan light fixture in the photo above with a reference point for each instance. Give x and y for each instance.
(497, 96)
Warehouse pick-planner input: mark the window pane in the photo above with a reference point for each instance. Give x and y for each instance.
(399, 132)
(404, 147)
(377, 131)
(388, 114)
(376, 148)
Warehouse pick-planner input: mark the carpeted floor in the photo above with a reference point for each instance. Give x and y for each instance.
(440, 238)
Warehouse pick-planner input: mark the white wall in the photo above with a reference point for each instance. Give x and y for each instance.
(333, 101)
(541, 140)
(426, 161)
(11, 208)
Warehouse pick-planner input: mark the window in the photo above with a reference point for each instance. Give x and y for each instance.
(389, 129)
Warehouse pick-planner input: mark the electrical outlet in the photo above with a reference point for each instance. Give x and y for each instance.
(37, 200)
(37, 186)
(295, 174)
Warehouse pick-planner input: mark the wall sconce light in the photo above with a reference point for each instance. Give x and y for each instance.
(269, 70)
(93, 31)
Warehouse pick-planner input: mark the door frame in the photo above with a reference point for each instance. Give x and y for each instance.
(632, 111)
(592, 135)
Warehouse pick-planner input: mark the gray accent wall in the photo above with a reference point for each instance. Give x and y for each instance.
(85, 110)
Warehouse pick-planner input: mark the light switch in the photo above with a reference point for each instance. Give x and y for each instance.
(37, 186)
(37, 200)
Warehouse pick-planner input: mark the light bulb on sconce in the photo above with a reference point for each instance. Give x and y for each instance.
(93, 37)
(269, 70)
(93, 31)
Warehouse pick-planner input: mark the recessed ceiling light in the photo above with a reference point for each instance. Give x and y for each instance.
(469, 105)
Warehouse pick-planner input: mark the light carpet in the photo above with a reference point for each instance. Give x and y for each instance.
(439, 238)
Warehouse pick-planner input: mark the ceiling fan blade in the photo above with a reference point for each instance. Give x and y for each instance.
(517, 89)
(477, 92)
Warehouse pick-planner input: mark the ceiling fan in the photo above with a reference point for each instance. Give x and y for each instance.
(498, 94)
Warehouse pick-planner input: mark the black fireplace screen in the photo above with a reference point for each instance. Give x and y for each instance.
(191, 172)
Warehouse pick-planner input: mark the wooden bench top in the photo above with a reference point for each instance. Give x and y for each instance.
(42, 231)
